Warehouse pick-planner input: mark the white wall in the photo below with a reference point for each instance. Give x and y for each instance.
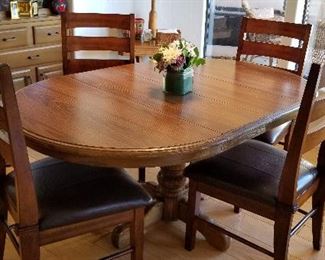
(104, 6)
(100, 6)
(186, 15)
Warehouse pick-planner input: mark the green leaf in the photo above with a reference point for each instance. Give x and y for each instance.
(157, 56)
(196, 51)
(200, 61)
(181, 46)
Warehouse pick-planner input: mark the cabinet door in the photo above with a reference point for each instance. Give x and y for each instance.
(49, 71)
(23, 77)
(47, 34)
(12, 38)
(32, 56)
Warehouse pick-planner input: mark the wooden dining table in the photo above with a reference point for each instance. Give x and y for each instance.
(120, 117)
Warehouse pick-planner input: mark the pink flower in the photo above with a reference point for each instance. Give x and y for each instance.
(180, 61)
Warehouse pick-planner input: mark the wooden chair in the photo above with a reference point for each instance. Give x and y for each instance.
(52, 200)
(267, 181)
(278, 51)
(261, 13)
(247, 46)
(72, 43)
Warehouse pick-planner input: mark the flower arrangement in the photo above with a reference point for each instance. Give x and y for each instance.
(177, 56)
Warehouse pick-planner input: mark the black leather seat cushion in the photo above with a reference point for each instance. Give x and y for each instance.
(251, 169)
(70, 193)
(275, 135)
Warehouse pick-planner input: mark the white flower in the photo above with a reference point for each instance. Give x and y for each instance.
(170, 54)
(174, 44)
(192, 52)
(190, 48)
(177, 56)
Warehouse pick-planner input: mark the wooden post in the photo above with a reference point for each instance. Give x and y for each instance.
(153, 18)
(172, 187)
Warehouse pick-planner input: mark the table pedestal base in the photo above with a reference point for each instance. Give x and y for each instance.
(172, 191)
(121, 235)
(172, 188)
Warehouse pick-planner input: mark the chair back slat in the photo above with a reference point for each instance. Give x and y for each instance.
(318, 110)
(5, 150)
(316, 130)
(72, 43)
(75, 66)
(270, 49)
(287, 193)
(14, 151)
(84, 20)
(314, 138)
(77, 43)
(3, 120)
(275, 51)
(291, 30)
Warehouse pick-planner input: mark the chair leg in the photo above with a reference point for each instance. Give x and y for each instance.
(136, 234)
(29, 244)
(3, 212)
(142, 175)
(236, 209)
(282, 228)
(317, 221)
(3, 233)
(194, 199)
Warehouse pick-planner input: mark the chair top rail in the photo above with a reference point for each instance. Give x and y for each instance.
(85, 20)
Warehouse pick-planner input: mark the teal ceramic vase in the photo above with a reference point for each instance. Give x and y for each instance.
(178, 83)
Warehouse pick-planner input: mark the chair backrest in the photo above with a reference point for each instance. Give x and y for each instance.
(13, 151)
(72, 43)
(304, 137)
(268, 27)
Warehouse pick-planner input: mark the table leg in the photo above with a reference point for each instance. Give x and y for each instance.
(172, 188)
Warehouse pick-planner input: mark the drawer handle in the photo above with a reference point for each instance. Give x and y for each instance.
(33, 57)
(43, 76)
(49, 34)
(9, 39)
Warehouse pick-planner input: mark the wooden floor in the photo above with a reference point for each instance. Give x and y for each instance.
(165, 240)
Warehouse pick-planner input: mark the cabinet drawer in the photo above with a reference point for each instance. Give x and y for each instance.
(22, 78)
(49, 71)
(33, 56)
(13, 38)
(47, 34)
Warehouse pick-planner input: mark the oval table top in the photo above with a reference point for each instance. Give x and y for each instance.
(120, 116)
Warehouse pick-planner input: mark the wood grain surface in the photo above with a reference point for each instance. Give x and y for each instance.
(145, 48)
(120, 115)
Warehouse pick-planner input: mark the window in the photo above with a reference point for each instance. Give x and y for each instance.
(314, 13)
(224, 19)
